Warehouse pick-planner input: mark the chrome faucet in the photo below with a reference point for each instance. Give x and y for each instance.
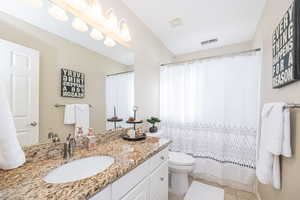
(53, 137)
(69, 147)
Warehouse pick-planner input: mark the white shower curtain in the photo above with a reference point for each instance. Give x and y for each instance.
(209, 109)
(119, 94)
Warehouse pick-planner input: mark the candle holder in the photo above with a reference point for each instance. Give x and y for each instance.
(134, 121)
(115, 119)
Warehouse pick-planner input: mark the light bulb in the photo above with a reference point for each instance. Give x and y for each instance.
(79, 25)
(78, 4)
(96, 35)
(112, 21)
(109, 42)
(58, 13)
(34, 3)
(94, 11)
(124, 31)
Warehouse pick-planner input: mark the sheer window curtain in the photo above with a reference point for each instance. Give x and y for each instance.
(119, 93)
(210, 110)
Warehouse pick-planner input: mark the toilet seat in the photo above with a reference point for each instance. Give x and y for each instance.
(180, 159)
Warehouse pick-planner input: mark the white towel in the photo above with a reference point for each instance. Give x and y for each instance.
(82, 113)
(79, 115)
(274, 141)
(11, 153)
(70, 114)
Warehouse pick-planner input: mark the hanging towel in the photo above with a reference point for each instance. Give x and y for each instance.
(11, 153)
(274, 141)
(70, 114)
(82, 115)
(78, 115)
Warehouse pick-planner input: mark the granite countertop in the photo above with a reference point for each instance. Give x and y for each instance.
(26, 182)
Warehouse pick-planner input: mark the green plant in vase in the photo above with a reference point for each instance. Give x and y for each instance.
(153, 121)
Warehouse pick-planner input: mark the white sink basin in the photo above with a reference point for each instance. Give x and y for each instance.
(79, 169)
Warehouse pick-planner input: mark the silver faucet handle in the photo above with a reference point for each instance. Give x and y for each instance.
(50, 135)
(56, 138)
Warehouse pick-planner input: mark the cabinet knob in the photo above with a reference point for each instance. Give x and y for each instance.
(162, 157)
(162, 178)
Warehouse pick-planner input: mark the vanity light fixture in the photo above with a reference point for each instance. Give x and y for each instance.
(96, 35)
(79, 25)
(94, 11)
(89, 13)
(109, 42)
(112, 20)
(58, 13)
(124, 31)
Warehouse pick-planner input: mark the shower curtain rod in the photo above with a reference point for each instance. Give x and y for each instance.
(210, 57)
(120, 73)
(292, 105)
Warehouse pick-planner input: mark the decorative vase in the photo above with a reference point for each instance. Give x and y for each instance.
(153, 129)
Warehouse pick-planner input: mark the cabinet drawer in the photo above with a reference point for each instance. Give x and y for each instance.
(159, 158)
(130, 180)
(105, 194)
(159, 183)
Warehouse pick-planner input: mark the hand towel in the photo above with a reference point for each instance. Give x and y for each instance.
(70, 114)
(274, 141)
(11, 153)
(280, 130)
(82, 113)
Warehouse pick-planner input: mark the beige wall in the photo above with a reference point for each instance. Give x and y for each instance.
(56, 53)
(215, 51)
(273, 12)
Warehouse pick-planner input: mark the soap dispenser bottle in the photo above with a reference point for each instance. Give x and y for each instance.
(91, 140)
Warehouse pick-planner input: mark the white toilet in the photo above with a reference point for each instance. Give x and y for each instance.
(180, 165)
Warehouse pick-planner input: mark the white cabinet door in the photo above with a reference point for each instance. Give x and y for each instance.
(139, 192)
(159, 183)
(130, 180)
(19, 67)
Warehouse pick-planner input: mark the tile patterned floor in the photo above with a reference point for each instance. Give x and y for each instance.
(230, 194)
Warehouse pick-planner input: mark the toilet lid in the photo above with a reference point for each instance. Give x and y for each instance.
(177, 158)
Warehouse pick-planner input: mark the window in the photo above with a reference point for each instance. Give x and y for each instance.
(119, 94)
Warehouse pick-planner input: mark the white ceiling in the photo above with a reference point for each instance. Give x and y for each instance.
(231, 21)
(39, 17)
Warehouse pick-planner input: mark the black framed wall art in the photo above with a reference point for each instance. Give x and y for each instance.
(72, 83)
(285, 48)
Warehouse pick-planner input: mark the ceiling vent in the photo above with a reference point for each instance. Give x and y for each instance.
(175, 22)
(207, 42)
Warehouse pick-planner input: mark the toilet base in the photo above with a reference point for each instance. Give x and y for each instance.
(178, 183)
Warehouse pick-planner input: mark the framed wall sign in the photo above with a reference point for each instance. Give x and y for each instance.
(285, 41)
(72, 83)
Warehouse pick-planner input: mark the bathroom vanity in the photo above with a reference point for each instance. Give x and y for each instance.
(149, 181)
(138, 174)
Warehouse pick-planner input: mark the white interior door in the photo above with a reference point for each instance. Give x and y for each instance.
(19, 68)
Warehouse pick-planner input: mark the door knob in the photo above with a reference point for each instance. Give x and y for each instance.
(34, 123)
(162, 178)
